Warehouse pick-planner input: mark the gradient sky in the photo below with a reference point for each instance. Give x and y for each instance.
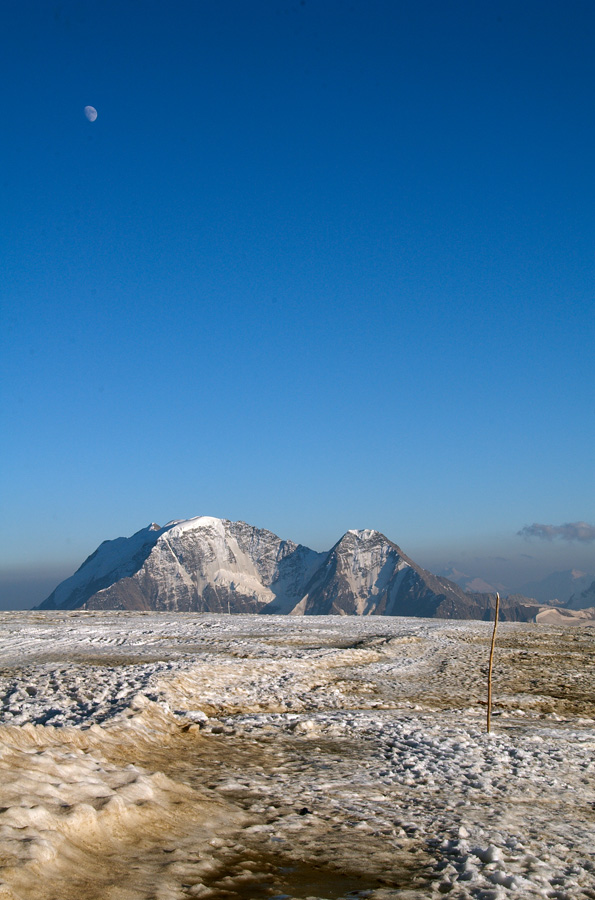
(316, 265)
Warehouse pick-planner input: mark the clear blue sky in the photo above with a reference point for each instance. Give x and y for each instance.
(316, 265)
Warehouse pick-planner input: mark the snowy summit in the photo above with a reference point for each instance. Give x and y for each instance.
(206, 564)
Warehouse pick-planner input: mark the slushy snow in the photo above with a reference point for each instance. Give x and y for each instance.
(151, 755)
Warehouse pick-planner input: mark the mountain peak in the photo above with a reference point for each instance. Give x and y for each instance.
(558, 586)
(363, 534)
(207, 564)
(584, 600)
(181, 526)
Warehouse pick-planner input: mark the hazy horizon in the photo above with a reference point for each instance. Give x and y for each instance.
(22, 587)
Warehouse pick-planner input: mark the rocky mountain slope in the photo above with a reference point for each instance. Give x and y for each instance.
(558, 587)
(584, 600)
(214, 565)
(473, 584)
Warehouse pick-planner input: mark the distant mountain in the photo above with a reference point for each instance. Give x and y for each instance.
(214, 565)
(558, 587)
(584, 600)
(473, 584)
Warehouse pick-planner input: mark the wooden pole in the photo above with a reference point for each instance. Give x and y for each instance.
(492, 660)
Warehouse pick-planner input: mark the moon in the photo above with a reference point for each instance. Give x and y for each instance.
(90, 113)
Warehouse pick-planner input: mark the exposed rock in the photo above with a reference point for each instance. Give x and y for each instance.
(214, 565)
(584, 600)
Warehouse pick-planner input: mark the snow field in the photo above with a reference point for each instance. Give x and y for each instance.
(78, 818)
(203, 754)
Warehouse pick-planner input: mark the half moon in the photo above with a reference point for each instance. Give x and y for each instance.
(90, 113)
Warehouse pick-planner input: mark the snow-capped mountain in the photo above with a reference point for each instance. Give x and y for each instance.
(365, 573)
(473, 584)
(197, 564)
(111, 561)
(558, 587)
(214, 565)
(584, 600)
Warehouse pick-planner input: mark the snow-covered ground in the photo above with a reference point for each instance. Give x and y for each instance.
(147, 755)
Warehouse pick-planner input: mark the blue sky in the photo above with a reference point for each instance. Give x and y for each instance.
(316, 266)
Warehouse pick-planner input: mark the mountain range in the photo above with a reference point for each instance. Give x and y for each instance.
(559, 588)
(583, 600)
(570, 588)
(215, 565)
(473, 584)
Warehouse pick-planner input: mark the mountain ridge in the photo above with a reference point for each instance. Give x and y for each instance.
(216, 565)
(558, 587)
(584, 600)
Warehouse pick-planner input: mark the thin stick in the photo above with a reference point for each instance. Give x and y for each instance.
(492, 660)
